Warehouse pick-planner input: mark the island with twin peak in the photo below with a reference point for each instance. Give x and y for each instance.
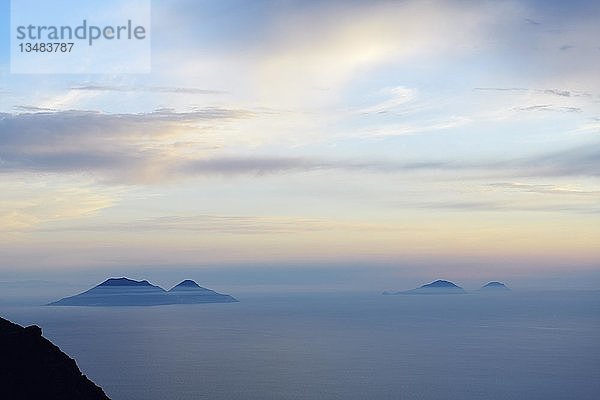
(442, 286)
(129, 292)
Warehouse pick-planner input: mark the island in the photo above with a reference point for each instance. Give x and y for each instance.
(129, 292)
(494, 287)
(437, 287)
(32, 367)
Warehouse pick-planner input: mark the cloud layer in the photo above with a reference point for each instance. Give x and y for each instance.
(150, 147)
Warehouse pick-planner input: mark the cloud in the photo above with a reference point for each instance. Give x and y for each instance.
(556, 92)
(397, 96)
(532, 21)
(146, 148)
(590, 126)
(566, 47)
(513, 103)
(273, 165)
(34, 109)
(543, 189)
(27, 205)
(516, 197)
(137, 144)
(567, 93)
(577, 161)
(347, 40)
(410, 129)
(548, 107)
(508, 206)
(223, 224)
(149, 89)
(502, 89)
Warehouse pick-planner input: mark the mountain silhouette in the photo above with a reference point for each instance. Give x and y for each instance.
(495, 286)
(128, 292)
(32, 367)
(188, 283)
(125, 282)
(189, 292)
(436, 287)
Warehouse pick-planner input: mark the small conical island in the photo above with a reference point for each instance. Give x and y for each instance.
(436, 287)
(189, 292)
(494, 287)
(129, 292)
(187, 284)
(32, 367)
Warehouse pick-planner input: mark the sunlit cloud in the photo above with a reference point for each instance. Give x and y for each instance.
(148, 148)
(148, 89)
(397, 96)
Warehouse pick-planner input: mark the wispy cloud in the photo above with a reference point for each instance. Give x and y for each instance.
(34, 109)
(501, 89)
(224, 224)
(555, 92)
(396, 97)
(66, 141)
(413, 129)
(582, 160)
(566, 47)
(26, 206)
(548, 107)
(508, 206)
(512, 197)
(145, 148)
(543, 188)
(148, 89)
(566, 93)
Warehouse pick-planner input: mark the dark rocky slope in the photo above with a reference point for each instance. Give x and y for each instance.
(33, 368)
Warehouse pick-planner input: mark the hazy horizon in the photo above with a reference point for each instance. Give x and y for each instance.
(40, 287)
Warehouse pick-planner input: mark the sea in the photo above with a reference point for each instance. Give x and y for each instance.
(516, 345)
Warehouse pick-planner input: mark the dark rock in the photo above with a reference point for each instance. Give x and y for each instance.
(32, 367)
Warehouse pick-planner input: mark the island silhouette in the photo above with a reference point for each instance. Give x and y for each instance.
(436, 287)
(442, 286)
(129, 292)
(495, 287)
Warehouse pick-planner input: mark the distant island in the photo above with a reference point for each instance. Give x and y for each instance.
(446, 287)
(128, 292)
(494, 287)
(437, 287)
(32, 367)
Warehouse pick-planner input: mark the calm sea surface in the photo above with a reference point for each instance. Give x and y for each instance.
(337, 346)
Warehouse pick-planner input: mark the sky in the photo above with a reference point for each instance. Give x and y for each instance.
(403, 139)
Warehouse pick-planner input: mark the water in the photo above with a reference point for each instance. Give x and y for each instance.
(337, 346)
